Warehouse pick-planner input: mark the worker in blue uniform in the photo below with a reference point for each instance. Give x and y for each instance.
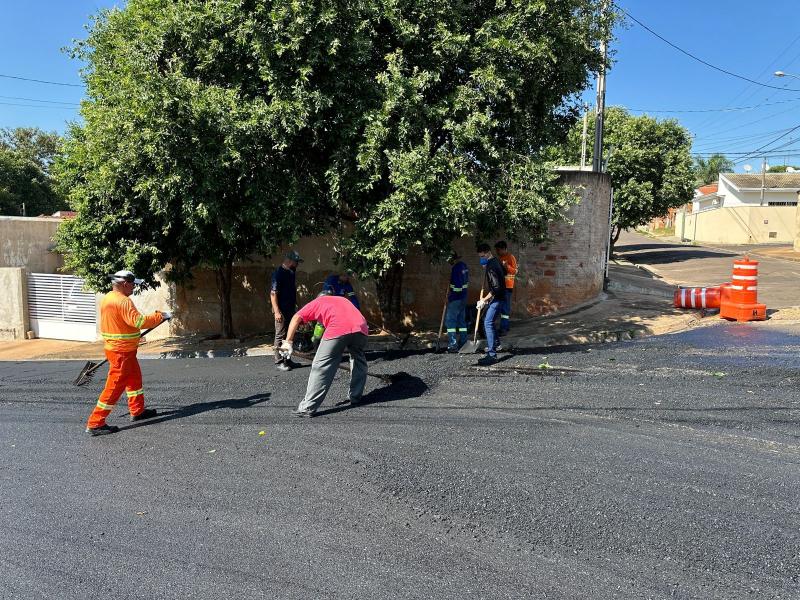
(339, 284)
(455, 318)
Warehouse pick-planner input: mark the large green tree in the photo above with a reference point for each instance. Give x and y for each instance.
(197, 146)
(649, 162)
(707, 170)
(448, 114)
(26, 154)
(217, 129)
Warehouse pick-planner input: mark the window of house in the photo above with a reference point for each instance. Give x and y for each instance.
(783, 204)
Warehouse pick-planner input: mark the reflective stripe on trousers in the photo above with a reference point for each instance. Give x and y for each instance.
(124, 374)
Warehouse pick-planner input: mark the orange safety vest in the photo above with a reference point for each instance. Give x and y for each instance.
(120, 322)
(509, 263)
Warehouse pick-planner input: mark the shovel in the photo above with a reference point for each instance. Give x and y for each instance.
(88, 370)
(441, 324)
(472, 347)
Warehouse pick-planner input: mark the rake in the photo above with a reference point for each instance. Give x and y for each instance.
(89, 369)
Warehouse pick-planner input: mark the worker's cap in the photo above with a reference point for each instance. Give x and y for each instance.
(453, 256)
(123, 276)
(293, 255)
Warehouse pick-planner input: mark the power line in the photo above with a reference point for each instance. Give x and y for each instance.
(37, 100)
(41, 81)
(708, 110)
(706, 63)
(757, 150)
(39, 106)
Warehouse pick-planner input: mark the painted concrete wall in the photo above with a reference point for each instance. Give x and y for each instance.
(27, 242)
(13, 303)
(740, 225)
(565, 271)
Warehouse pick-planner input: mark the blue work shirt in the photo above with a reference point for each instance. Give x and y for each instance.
(459, 282)
(283, 283)
(334, 287)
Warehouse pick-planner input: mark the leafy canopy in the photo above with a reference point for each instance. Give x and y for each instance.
(707, 170)
(26, 154)
(649, 163)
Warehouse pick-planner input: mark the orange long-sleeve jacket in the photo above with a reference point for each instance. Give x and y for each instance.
(509, 263)
(120, 322)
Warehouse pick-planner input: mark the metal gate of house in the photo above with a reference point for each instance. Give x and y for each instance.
(60, 309)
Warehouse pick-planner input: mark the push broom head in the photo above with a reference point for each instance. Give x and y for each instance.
(86, 374)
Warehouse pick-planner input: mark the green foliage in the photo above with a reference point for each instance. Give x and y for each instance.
(25, 157)
(648, 161)
(708, 170)
(218, 129)
(196, 147)
(782, 168)
(455, 102)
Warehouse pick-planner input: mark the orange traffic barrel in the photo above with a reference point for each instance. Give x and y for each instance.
(744, 286)
(697, 298)
(740, 297)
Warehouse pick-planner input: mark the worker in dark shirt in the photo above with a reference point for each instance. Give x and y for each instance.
(339, 284)
(283, 296)
(492, 301)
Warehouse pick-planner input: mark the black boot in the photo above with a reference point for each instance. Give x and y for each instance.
(102, 430)
(147, 413)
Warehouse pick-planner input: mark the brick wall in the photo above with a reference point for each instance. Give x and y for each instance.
(565, 271)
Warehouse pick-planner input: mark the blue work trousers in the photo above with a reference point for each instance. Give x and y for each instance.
(455, 321)
(489, 327)
(505, 313)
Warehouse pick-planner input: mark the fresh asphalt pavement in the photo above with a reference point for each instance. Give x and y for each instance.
(660, 468)
(778, 279)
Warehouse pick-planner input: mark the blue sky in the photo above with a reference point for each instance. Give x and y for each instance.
(752, 40)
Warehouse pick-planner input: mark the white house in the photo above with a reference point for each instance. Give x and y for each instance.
(745, 209)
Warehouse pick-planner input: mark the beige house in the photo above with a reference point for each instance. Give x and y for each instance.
(745, 209)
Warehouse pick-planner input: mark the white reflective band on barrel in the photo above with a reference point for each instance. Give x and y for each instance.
(737, 266)
(703, 298)
(683, 297)
(691, 296)
(746, 277)
(751, 288)
(737, 287)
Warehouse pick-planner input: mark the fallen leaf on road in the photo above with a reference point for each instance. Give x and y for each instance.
(719, 374)
(262, 433)
(211, 451)
(140, 513)
(545, 365)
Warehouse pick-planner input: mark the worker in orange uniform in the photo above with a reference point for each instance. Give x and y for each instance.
(120, 325)
(509, 263)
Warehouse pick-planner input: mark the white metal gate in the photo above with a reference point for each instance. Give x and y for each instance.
(60, 309)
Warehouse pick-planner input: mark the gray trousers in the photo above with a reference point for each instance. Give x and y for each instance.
(326, 363)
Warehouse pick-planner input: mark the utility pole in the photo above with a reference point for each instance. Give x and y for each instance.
(23, 210)
(763, 178)
(584, 135)
(597, 156)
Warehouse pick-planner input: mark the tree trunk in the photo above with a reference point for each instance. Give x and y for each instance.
(615, 233)
(389, 288)
(224, 283)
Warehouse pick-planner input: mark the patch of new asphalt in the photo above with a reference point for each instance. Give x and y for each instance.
(658, 468)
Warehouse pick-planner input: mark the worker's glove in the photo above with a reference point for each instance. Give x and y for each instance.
(480, 305)
(286, 349)
(166, 315)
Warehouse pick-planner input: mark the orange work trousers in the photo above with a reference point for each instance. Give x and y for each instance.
(125, 375)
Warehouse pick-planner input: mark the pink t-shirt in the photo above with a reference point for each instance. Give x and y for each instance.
(337, 314)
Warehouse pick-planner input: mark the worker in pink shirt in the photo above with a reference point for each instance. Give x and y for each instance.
(345, 329)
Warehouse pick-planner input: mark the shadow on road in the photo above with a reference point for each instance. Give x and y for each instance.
(671, 256)
(407, 386)
(622, 248)
(199, 408)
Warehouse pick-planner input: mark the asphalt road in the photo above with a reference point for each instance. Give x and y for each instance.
(778, 280)
(660, 468)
